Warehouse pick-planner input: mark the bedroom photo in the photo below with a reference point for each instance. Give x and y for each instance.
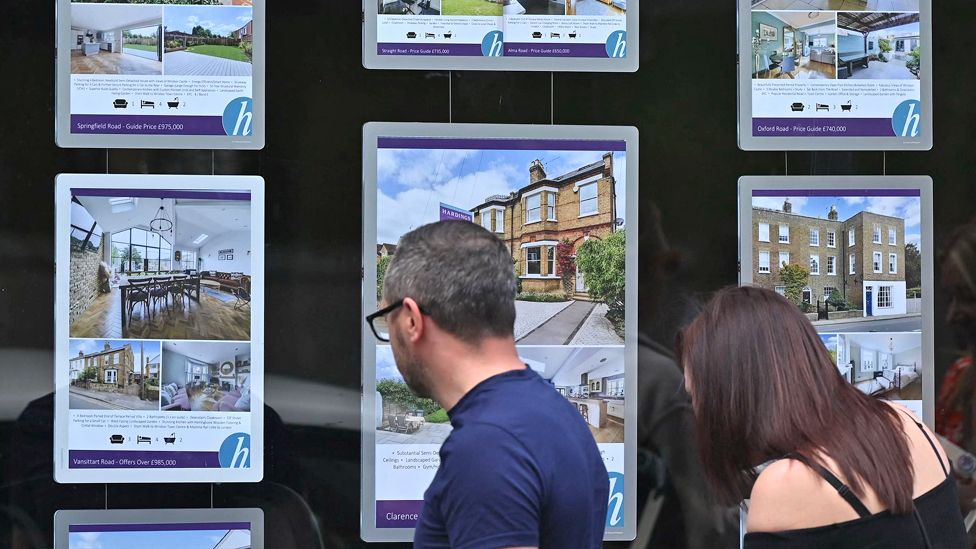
(883, 365)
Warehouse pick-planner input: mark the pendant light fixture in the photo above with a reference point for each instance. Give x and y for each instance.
(162, 222)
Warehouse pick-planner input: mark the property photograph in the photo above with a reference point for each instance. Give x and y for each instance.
(557, 212)
(535, 7)
(116, 39)
(207, 41)
(408, 7)
(146, 537)
(794, 45)
(591, 379)
(473, 7)
(172, 266)
(878, 46)
(837, 5)
(596, 7)
(113, 374)
(883, 365)
(187, 2)
(205, 376)
(850, 263)
(401, 416)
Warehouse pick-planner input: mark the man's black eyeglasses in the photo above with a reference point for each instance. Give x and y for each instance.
(377, 321)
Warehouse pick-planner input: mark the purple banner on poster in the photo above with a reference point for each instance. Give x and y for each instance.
(531, 49)
(458, 50)
(114, 459)
(822, 127)
(146, 124)
(500, 144)
(398, 513)
(162, 527)
(453, 213)
(163, 193)
(836, 192)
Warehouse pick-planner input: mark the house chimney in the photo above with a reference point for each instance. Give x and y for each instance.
(536, 171)
(832, 214)
(107, 347)
(787, 207)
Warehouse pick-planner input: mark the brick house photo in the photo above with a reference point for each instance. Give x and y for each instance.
(861, 256)
(545, 205)
(574, 206)
(113, 374)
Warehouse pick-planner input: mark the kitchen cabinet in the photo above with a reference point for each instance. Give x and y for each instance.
(596, 410)
(616, 408)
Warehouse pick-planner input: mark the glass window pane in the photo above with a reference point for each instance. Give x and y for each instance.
(80, 216)
(138, 236)
(122, 237)
(152, 239)
(588, 191)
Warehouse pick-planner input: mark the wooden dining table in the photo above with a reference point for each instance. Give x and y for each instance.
(164, 280)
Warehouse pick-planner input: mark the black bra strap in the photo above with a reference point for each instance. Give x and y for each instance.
(842, 489)
(931, 443)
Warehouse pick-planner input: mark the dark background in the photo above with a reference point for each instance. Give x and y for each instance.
(683, 101)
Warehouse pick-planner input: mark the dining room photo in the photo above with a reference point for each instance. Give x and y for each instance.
(794, 45)
(160, 265)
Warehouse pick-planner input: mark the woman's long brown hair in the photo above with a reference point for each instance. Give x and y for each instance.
(763, 386)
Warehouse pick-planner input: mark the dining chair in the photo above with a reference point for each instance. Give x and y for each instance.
(788, 66)
(176, 291)
(159, 292)
(138, 293)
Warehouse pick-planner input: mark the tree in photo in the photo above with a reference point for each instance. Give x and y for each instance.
(602, 263)
(566, 265)
(90, 373)
(381, 266)
(913, 266)
(396, 393)
(914, 61)
(885, 46)
(794, 277)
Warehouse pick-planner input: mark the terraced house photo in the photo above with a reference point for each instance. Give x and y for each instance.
(208, 41)
(113, 374)
(174, 265)
(559, 213)
(852, 263)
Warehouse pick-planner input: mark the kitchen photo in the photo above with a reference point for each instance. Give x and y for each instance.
(116, 39)
(591, 379)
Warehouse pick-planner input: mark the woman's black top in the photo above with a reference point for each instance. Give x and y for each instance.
(935, 523)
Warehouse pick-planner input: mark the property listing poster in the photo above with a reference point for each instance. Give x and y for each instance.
(159, 357)
(855, 257)
(147, 68)
(184, 528)
(855, 69)
(548, 200)
(503, 28)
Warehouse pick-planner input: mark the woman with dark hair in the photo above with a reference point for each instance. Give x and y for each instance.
(843, 469)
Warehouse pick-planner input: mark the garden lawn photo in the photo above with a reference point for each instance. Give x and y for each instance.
(204, 41)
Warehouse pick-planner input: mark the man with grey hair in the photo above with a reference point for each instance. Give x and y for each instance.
(520, 468)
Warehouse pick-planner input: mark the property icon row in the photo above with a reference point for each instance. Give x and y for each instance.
(175, 103)
(844, 107)
(141, 439)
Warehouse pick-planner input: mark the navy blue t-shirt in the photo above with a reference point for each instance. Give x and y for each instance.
(520, 468)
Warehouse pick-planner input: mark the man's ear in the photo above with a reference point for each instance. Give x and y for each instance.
(414, 321)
